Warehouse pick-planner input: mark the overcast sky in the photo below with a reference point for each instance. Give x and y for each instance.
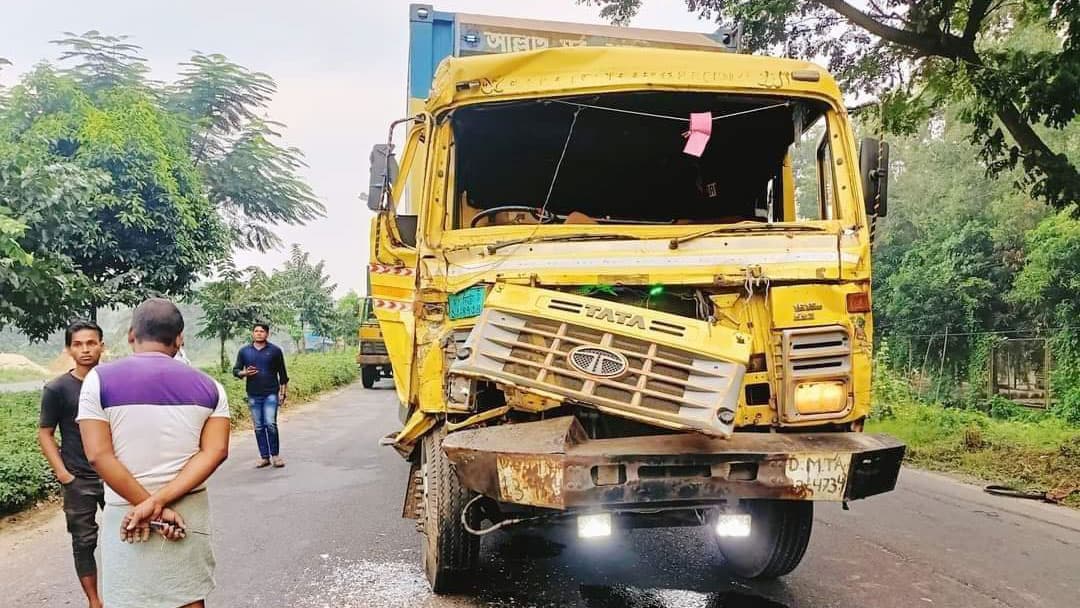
(340, 67)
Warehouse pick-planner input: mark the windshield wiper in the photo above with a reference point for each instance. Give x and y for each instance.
(674, 244)
(492, 248)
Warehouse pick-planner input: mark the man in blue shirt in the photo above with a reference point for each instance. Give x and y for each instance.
(262, 364)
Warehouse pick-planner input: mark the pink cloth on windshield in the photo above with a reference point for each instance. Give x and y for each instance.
(698, 135)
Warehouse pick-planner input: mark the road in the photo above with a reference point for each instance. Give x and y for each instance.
(325, 532)
(19, 387)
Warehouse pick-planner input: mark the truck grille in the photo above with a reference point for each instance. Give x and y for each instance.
(665, 384)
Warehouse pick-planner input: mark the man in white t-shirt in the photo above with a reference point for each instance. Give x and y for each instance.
(155, 429)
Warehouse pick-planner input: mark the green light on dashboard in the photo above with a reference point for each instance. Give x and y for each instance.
(656, 290)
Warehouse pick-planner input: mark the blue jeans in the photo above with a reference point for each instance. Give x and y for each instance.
(264, 417)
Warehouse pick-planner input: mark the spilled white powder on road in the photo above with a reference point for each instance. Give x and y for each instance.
(341, 583)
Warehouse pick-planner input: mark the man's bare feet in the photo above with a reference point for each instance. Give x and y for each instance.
(278, 461)
(261, 463)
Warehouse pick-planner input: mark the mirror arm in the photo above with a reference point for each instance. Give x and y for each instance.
(384, 204)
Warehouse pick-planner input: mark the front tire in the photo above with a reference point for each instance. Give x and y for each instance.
(368, 375)
(451, 555)
(779, 533)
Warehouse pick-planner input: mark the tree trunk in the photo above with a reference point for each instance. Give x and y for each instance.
(224, 361)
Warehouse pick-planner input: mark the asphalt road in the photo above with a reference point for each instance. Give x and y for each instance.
(325, 532)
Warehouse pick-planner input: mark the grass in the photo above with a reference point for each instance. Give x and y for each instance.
(19, 375)
(1037, 453)
(25, 476)
(309, 375)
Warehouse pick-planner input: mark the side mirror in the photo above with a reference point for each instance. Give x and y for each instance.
(874, 173)
(383, 171)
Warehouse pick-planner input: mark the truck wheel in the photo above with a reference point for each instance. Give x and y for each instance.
(451, 554)
(368, 375)
(779, 533)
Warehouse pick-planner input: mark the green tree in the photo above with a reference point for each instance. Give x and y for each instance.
(305, 295)
(43, 208)
(230, 306)
(1048, 287)
(114, 187)
(919, 55)
(347, 319)
(134, 220)
(251, 178)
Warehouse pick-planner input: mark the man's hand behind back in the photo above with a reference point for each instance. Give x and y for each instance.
(135, 527)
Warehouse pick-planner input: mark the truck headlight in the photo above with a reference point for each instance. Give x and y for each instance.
(459, 389)
(594, 525)
(820, 397)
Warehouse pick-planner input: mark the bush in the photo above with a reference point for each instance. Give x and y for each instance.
(309, 375)
(25, 476)
(1028, 451)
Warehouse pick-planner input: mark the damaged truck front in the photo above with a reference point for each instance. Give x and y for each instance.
(626, 287)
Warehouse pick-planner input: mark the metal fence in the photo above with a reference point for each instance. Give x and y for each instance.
(1020, 371)
(1018, 367)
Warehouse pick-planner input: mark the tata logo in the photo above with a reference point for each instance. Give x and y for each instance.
(597, 361)
(614, 316)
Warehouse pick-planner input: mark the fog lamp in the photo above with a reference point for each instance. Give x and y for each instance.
(594, 525)
(733, 525)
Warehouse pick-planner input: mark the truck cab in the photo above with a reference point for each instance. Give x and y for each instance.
(626, 279)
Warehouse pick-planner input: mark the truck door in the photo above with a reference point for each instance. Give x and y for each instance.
(392, 267)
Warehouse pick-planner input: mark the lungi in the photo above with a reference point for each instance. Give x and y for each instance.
(158, 573)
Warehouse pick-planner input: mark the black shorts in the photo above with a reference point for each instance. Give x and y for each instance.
(82, 499)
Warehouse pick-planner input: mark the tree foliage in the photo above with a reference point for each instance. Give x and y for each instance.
(305, 296)
(346, 326)
(918, 56)
(230, 306)
(252, 179)
(112, 206)
(114, 187)
(1049, 288)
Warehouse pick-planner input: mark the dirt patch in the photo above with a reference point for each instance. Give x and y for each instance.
(18, 363)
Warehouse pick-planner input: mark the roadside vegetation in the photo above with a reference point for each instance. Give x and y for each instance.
(25, 476)
(1002, 443)
(19, 375)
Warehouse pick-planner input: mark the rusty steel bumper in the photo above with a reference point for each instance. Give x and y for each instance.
(553, 464)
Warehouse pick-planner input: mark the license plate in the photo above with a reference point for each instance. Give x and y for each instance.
(468, 303)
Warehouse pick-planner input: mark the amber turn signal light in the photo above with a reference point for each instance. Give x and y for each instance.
(858, 302)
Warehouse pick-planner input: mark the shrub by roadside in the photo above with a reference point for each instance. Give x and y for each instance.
(1017, 447)
(25, 476)
(309, 375)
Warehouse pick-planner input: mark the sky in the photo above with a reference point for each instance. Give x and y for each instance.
(340, 67)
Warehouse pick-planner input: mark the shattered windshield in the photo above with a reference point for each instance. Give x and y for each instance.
(635, 158)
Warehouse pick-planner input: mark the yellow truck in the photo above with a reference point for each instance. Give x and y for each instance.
(371, 353)
(623, 277)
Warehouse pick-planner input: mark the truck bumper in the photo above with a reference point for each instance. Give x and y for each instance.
(553, 464)
(373, 359)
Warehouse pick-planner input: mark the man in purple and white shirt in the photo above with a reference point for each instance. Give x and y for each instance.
(155, 429)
